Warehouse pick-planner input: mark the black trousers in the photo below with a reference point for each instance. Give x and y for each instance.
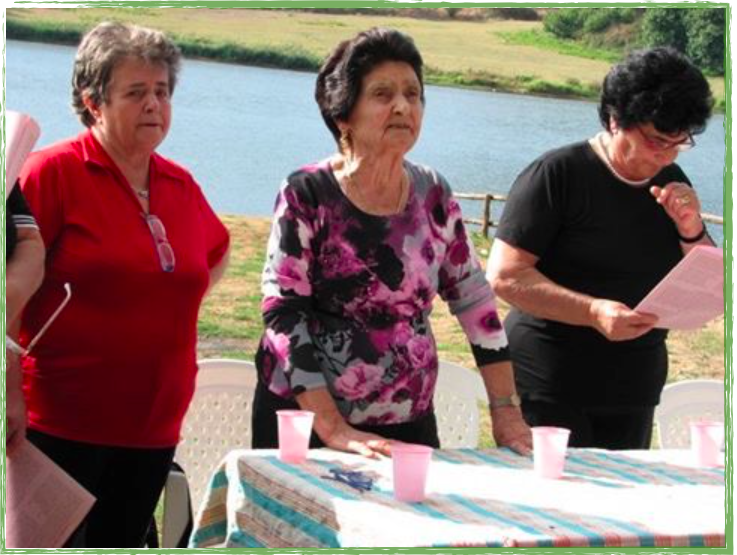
(265, 433)
(614, 428)
(127, 483)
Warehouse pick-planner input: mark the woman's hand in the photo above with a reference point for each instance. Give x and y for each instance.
(682, 205)
(618, 322)
(510, 429)
(335, 432)
(346, 438)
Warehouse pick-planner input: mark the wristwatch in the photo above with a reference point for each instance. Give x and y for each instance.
(507, 401)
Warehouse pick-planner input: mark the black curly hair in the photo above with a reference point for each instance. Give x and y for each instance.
(659, 86)
(339, 80)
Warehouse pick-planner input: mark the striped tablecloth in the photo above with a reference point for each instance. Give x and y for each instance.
(485, 498)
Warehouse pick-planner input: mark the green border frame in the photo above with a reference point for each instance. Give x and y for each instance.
(728, 246)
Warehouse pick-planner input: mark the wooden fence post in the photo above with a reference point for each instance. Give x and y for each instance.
(487, 216)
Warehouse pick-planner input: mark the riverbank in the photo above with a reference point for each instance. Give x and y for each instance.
(483, 54)
(230, 322)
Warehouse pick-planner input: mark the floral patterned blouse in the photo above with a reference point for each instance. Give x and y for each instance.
(348, 295)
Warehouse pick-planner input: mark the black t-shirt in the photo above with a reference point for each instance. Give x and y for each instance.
(596, 235)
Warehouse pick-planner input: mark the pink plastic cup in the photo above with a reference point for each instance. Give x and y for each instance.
(411, 463)
(706, 442)
(549, 445)
(295, 427)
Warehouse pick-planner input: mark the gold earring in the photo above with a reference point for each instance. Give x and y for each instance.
(345, 142)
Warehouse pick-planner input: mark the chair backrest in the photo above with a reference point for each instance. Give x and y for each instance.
(682, 403)
(458, 393)
(218, 420)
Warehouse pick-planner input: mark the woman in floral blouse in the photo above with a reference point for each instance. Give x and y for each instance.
(360, 245)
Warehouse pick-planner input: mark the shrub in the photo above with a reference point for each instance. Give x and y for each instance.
(705, 32)
(664, 26)
(598, 20)
(572, 23)
(564, 23)
(697, 32)
(519, 14)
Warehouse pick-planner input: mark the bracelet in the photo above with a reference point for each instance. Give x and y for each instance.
(512, 400)
(695, 239)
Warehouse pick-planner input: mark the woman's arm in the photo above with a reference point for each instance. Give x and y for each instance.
(218, 271)
(15, 403)
(334, 431)
(508, 425)
(515, 279)
(24, 272)
(471, 300)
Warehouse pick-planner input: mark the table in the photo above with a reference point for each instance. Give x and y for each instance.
(477, 498)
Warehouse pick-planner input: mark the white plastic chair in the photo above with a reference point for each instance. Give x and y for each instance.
(218, 421)
(682, 403)
(458, 393)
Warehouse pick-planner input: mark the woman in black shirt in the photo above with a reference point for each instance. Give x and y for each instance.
(587, 231)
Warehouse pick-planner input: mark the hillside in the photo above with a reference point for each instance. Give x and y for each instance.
(494, 54)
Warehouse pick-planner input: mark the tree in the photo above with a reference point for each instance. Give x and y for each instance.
(705, 32)
(697, 32)
(664, 27)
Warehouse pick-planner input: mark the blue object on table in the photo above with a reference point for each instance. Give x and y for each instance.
(353, 478)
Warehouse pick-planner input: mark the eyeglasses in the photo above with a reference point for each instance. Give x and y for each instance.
(17, 349)
(163, 247)
(661, 144)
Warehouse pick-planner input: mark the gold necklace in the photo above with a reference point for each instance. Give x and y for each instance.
(366, 206)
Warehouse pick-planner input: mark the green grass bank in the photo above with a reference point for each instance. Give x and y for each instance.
(501, 55)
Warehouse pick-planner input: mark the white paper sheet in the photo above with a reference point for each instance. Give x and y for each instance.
(23, 132)
(44, 504)
(692, 293)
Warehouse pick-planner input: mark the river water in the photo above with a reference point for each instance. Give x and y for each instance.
(242, 129)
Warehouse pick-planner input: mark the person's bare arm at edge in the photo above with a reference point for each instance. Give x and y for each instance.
(515, 279)
(218, 271)
(335, 432)
(24, 272)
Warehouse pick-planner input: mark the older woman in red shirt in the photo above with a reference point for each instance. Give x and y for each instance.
(132, 233)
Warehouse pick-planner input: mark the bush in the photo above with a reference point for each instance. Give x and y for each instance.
(697, 32)
(574, 23)
(43, 32)
(598, 20)
(664, 26)
(518, 14)
(564, 23)
(705, 31)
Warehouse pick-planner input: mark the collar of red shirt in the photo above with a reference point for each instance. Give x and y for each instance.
(94, 153)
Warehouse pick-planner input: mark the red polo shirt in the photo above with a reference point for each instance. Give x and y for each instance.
(118, 366)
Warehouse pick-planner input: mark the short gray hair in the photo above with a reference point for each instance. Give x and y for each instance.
(104, 47)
